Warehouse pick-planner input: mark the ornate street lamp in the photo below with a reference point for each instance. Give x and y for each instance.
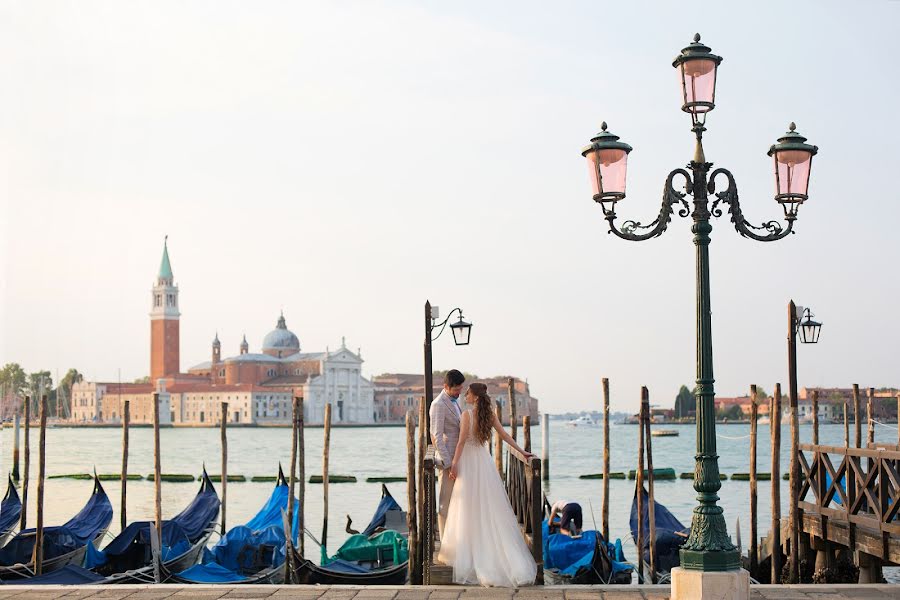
(708, 548)
(808, 329)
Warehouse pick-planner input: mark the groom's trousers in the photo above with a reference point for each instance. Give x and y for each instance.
(444, 498)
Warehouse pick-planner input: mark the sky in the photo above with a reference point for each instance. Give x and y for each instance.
(345, 161)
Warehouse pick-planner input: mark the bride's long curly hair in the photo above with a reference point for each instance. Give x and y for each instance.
(484, 412)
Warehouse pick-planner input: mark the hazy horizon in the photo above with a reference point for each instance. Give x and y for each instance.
(344, 162)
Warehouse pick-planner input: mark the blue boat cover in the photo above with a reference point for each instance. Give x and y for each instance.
(257, 545)
(345, 566)
(178, 534)
(668, 528)
(569, 555)
(81, 529)
(380, 517)
(10, 509)
(67, 575)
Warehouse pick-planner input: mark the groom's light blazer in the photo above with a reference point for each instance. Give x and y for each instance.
(445, 428)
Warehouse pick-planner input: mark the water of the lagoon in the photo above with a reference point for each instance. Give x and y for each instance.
(367, 452)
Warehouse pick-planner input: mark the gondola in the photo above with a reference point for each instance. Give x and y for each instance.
(670, 533)
(10, 510)
(584, 560)
(252, 553)
(128, 557)
(378, 556)
(63, 544)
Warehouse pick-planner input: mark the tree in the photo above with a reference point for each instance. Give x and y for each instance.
(13, 376)
(144, 379)
(38, 382)
(761, 393)
(685, 403)
(71, 377)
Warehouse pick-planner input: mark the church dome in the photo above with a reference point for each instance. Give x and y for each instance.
(281, 341)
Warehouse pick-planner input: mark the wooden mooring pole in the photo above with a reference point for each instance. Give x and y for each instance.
(223, 430)
(511, 393)
(15, 468)
(123, 505)
(23, 517)
(326, 444)
(38, 553)
(870, 415)
(157, 485)
(526, 432)
(292, 482)
(651, 508)
(815, 409)
(794, 481)
(857, 417)
(604, 506)
(754, 533)
(639, 491)
(498, 442)
(411, 502)
(424, 439)
(545, 446)
(301, 478)
(775, 541)
(846, 427)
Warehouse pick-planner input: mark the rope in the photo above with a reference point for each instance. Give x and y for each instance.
(728, 437)
(891, 427)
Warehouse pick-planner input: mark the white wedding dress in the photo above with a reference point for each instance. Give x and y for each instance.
(482, 541)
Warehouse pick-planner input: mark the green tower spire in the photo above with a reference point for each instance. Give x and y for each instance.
(165, 268)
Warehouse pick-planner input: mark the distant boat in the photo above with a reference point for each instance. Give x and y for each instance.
(664, 432)
(582, 421)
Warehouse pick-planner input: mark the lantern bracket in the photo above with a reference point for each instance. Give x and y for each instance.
(631, 230)
(443, 324)
(773, 229)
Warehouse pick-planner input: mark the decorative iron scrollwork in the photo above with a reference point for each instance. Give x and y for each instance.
(631, 230)
(774, 230)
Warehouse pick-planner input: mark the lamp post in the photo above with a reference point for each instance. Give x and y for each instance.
(461, 334)
(708, 548)
(799, 321)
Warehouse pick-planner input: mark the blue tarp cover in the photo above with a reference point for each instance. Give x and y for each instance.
(667, 529)
(258, 544)
(10, 509)
(379, 518)
(78, 531)
(344, 566)
(569, 555)
(67, 575)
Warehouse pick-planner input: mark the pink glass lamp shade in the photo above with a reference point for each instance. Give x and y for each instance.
(793, 161)
(607, 160)
(697, 75)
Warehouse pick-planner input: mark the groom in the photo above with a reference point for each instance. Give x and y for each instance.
(445, 413)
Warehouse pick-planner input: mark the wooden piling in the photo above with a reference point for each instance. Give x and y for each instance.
(526, 432)
(794, 492)
(224, 436)
(815, 409)
(511, 396)
(651, 508)
(23, 516)
(301, 478)
(420, 487)
(498, 442)
(604, 507)
(775, 425)
(545, 446)
(292, 482)
(325, 455)
(157, 485)
(123, 505)
(857, 416)
(639, 491)
(15, 469)
(37, 556)
(846, 427)
(411, 515)
(870, 415)
(754, 534)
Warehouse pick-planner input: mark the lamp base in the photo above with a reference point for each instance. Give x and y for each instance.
(710, 585)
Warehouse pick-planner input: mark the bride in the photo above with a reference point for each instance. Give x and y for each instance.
(482, 542)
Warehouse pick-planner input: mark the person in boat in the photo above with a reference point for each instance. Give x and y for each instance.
(445, 415)
(570, 517)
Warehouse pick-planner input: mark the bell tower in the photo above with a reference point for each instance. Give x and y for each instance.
(164, 322)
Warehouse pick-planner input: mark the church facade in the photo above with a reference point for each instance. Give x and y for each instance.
(258, 387)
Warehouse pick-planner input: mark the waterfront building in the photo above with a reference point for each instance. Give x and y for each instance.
(258, 387)
(397, 393)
